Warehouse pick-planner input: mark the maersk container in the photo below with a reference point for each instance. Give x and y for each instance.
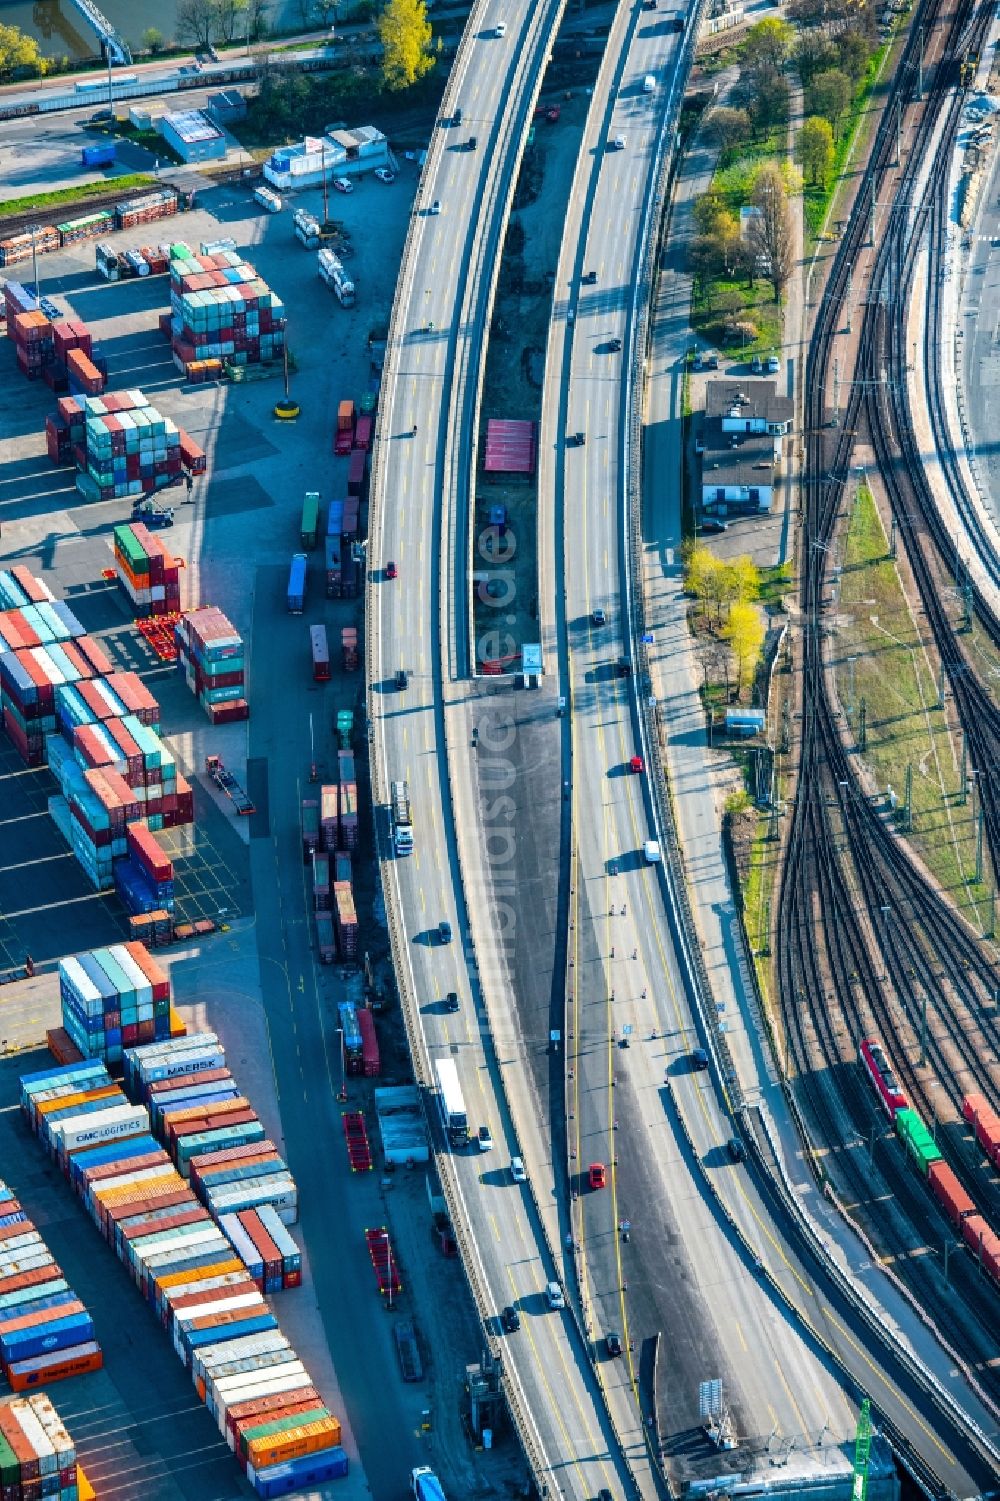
(297, 576)
(294, 1474)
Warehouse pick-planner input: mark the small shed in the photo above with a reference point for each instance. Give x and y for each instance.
(193, 135)
(401, 1125)
(228, 107)
(511, 446)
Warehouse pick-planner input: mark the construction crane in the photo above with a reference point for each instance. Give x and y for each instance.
(862, 1449)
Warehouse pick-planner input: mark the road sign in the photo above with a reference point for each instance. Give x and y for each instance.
(627, 1030)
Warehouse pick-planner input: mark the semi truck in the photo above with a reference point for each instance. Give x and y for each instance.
(425, 1485)
(332, 273)
(454, 1116)
(297, 575)
(402, 821)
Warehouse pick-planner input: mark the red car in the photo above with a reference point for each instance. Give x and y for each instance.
(636, 764)
(390, 570)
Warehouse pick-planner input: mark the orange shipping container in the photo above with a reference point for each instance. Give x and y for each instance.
(59, 1370)
(280, 1448)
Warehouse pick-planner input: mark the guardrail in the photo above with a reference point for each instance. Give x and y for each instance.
(674, 877)
(522, 1418)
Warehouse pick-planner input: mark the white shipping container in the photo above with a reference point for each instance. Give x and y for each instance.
(88, 1130)
(179, 1290)
(229, 1390)
(140, 983)
(212, 1360)
(176, 1255)
(36, 1436)
(149, 1246)
(249, 1366)
(32, 1263)
(227, 1303)
(50, 1420)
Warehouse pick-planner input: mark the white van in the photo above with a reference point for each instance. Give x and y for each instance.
(651, 850)
(554, 1296)
(649, 84)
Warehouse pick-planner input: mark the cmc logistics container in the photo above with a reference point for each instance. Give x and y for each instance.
(188, 1271)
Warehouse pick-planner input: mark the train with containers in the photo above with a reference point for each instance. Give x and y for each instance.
(922, 1149)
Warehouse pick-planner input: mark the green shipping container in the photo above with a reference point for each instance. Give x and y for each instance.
(310, 519)
(917, 1140)
(10, 1469)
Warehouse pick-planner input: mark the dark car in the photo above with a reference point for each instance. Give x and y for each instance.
(710, 526)
(623, 668)
(456, 118)
(590, 278)
(401, 679)
(390, 570)
(444, 931)
(579, 439)
(510, 1319)
(613, 1343)
(699, 1059)
(737, 1151)
(473, 142)
(599, 616)
(451, 1001)
(102, 117)
(614, 345)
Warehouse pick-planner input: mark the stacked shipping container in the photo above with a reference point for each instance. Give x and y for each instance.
(129, 449)
(37, 1457)
(42, 648)
(209, 1128)
(113, 998)
(210, 655)
(221, 309)
(147, 571)
(46, 1333)
(197, 1286)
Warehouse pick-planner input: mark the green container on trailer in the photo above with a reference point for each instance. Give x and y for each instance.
(310, 519)
(10, 1468)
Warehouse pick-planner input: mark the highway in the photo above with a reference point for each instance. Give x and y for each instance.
(425, 434)
(684, 1274)
(684, 1271)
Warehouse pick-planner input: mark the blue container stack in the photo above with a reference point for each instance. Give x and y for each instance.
(111, 998)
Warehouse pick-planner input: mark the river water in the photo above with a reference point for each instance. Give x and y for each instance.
(62, 32)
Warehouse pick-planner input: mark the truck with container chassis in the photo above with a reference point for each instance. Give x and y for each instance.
(402, 820)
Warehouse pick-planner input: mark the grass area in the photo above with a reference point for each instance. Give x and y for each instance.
(818, 200)
(775, 583)
(68, 196)
(734, 173)
(894, 677)
(760, 309)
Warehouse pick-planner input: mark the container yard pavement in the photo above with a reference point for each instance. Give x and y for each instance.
(236, 541)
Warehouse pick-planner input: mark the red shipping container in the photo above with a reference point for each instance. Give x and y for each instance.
(100, 663)
(949, 1193)
(156, 976)
(144, 848)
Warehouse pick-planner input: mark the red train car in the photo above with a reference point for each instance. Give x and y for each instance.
(369, 1043)
(950, 1194)
(984, 1120)
(879, 1070)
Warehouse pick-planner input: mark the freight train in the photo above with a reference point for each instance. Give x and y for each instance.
(922, 1149)
(158, 203)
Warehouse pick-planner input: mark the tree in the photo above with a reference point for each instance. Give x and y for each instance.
(18, 51)
(815, 150)
(770, 232)
(152, 40)
(702, 577)
(713, 216)
(828, 95)
(766, 96)
(406, 40)
(729, 126)
(744, 630)
(814, 52)
(742, 580)
(853, 51)
(768, 44)
(195, 22)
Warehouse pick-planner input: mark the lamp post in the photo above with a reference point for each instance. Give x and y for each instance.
(33, 230)
(343, 1066)
(388, 1264)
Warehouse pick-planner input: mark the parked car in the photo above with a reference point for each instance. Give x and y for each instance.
(773, 364)
(384, 175)
(517, 1170)
(510, 1319)
(485, 1139)
(472, 143)
(436, 206)
(712, 525)
(618, 144)
(614, 345)
(444, 931)
(757, 365)
(343, 185)
(636, 765)
(737, 1151)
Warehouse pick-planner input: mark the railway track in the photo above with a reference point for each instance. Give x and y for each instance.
(868, 899)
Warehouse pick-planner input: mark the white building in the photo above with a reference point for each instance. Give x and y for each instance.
(745, 423)
(339, 153)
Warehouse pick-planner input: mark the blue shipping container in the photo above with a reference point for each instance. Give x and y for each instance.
(98, 156)
(297, 584)
(311, 1469)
